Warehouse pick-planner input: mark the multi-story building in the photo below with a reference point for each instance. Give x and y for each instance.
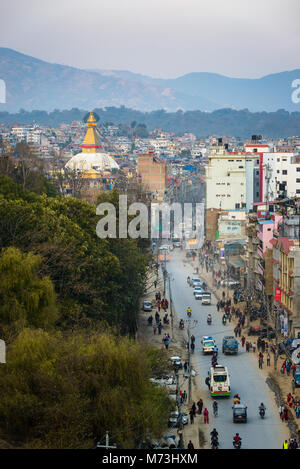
(232, 179)
(153, 174)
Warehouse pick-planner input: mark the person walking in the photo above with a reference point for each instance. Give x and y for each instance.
(191, 416)
(206, 416)
(154, 328)
(200, 406)
(159, 328)
(243, 341)
(184, 396)
(194, 409)
(268, 360)
(260, 361)
(190, 445)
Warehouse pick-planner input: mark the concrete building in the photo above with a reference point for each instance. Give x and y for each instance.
(232, 179)
(153, 174)
(281, 169)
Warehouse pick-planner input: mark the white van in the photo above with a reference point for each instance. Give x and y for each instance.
(219, 383)
(206, 298)
(208, 344)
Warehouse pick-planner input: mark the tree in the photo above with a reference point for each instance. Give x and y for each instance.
(26, 299)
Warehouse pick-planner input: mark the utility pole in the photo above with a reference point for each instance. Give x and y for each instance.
(171, 309)
(188, 321)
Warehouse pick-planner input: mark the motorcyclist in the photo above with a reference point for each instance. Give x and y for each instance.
(209, 319)
(181, 324)
(188, 280)
(236, 399)
(214, 434)
(193, 338)
(189, 311)
(237, 439)
(262, 409)
(224, 319)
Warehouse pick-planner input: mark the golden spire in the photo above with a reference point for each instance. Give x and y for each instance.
(91, 142)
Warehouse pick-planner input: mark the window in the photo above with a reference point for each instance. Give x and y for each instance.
(257, 194)
(298, 170)
(243, 205)
(278, 171)
(241, 167)
(237, 206)
(298, 191)
(284, 171)
(297, 180)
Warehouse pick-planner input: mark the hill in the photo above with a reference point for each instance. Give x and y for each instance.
(35, 84)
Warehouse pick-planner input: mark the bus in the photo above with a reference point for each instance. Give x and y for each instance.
(219, 383)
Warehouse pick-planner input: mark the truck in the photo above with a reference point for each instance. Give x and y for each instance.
(230, 345)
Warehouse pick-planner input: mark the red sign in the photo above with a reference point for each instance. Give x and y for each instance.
(277, 294)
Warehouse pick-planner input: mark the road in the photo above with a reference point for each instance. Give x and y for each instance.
(246, 379)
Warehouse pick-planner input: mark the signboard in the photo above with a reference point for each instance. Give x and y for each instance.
(277, 294)
(230, 227)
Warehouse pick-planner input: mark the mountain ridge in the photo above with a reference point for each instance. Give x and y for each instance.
(33, 83)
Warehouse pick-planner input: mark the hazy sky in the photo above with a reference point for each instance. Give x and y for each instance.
(161, 38)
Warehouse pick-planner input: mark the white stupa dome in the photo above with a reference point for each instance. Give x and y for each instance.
(92, 156)
(86, 161)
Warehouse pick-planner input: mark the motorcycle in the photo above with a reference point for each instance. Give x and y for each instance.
(215, 443)
(209, 321)
(181, 325)
(262, 412)
(224, 320)
(237, 444)
(189, 313)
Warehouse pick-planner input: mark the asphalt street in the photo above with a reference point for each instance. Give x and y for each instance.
(245, 376)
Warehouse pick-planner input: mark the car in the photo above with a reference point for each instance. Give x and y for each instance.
(196, 282)
(147, 306)
(239, 413)
(176, 417)
(198, 290)
(230, 283)
(198, 295)
(176, 362)
(208, 344)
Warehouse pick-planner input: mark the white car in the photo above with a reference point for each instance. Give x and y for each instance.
(147, 306)
(196, 282)
(198, 295)
(198, 290)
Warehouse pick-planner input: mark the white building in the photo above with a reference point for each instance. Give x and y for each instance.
(281, 168)
(232, 179)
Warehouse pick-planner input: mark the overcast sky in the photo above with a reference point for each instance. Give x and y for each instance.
(161, 38)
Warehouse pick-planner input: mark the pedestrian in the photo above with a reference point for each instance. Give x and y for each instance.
(181, 396)
(254, 347)
(247, 346)
(200, 406)
(194, 409)
(190, 445)
(243, 341)
(260, 363)
(285, 445)
(154, 328)
(206, 416)
(159, 328)
(218, 306)
(184, 396)
(297, 410)
(191, 416)
(268, 360)
(235, 331)
(155, 284)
